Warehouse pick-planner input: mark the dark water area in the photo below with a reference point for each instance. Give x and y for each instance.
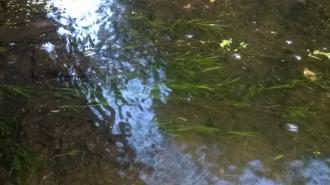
(222, 92)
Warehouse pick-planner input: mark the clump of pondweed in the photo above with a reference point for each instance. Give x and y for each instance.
(15, 157)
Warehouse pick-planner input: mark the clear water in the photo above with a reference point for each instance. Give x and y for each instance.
(207, 92)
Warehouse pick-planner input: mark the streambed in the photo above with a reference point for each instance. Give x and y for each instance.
(202, 92)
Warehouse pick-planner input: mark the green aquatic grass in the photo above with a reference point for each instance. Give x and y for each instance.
(187, 66)
(178, 129)
(288, 85)
(17, 158)
(77, 107)
(200, 24)
(96, 99)
(28, 92)
(15, 90)
(66, 93)
(200, 60)
(72, 152)
(299, 113)
(234, 89)
(201, 71)
(237, 94)
(3, 50)
(202, 87)
(179, 24)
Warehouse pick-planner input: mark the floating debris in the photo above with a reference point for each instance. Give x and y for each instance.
(310, 75)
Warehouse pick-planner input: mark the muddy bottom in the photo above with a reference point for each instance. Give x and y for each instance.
(201, 92)
(71, 149)
(52, 119)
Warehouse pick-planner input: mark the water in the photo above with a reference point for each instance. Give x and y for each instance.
(206, 92)
(133, 112)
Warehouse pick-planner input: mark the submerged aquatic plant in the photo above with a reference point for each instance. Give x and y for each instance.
(201, 24)
(179, 24)
(16, 90)
(72, 152)
(66, 93)
(17, 158)
(298, 113)
(177, 129)
(3, 50)
(203, 88)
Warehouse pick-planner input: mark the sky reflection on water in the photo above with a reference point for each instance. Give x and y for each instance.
(125, 79)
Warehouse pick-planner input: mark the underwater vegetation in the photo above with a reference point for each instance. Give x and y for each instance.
(198, 54)
(3, 50)
(13, 90)
(177, 129)
(16, 157)
(179, 25)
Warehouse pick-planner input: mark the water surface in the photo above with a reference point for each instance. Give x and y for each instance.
(206, 92)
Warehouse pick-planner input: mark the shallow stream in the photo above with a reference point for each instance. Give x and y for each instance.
(219, 92)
